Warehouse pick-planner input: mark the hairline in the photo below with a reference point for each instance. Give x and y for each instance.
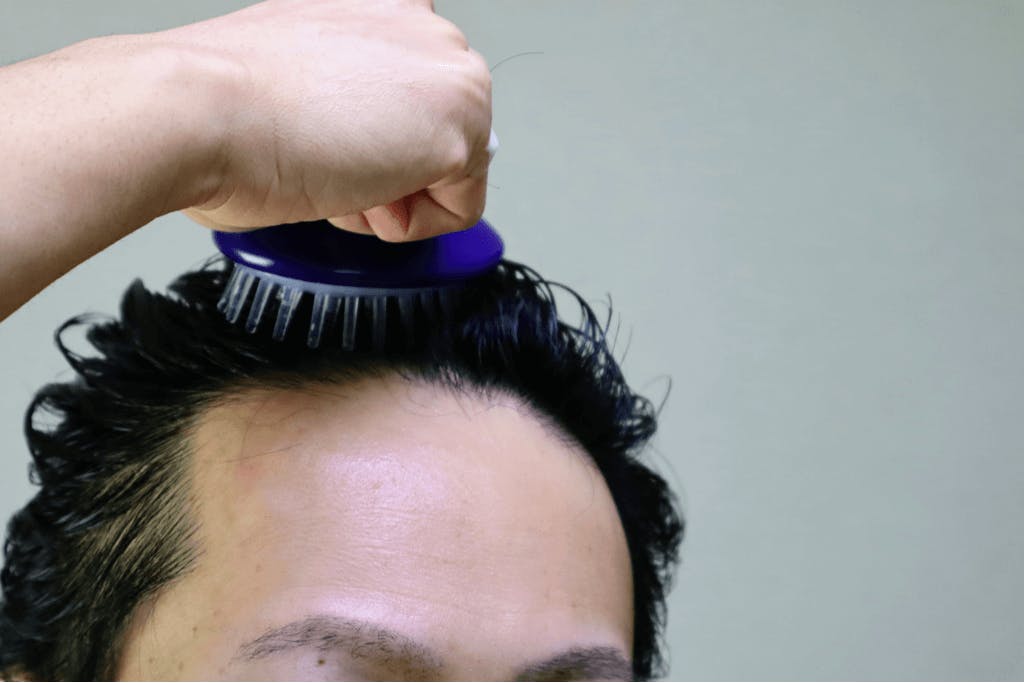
(186, 447)
(451, 383)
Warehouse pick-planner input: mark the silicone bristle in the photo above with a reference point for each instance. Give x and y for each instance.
(237, 296)
(435, 304)
(226, 296)
(316, 321)
(348, 335)
(407, 310)
(380, 322)
(428, 305)
(447, 298)
(259, 303)
(289, 300)
(325, 308)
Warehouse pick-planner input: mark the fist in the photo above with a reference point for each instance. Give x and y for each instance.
(374, 115)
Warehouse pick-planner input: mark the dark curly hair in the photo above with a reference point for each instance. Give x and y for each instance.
(109, 454)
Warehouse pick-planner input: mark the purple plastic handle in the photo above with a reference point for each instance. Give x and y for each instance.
(322, 253)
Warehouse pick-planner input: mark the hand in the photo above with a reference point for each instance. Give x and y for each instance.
(374, 115)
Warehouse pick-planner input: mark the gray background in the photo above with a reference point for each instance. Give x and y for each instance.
(808, 215)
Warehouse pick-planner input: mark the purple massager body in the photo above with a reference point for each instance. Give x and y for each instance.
(277, 267)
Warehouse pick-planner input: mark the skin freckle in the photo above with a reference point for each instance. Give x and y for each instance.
(319, 662)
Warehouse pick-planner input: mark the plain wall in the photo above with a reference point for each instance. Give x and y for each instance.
(808, 215)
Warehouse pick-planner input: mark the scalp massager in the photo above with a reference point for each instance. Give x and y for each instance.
(360, 276)
(356, 275)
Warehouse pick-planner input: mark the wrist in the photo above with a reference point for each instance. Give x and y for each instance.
(107, 135)
(184, 97)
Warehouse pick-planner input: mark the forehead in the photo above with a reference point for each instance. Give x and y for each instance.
(389, 494)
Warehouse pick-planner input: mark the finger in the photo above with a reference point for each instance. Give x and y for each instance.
(353, 222)
(203, 219)
(448, 208)
(390, 222)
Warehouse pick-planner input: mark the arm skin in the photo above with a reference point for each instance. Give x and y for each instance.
(96, 140)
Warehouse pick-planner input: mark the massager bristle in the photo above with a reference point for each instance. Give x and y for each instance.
(373, 316)
(334, 288)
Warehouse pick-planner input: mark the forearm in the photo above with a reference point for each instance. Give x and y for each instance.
(96, 140)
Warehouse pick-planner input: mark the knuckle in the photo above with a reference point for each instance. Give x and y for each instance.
(452, 32)
(477, 64)
(458, 157)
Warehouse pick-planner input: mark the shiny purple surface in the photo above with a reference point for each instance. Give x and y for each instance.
(319, 252)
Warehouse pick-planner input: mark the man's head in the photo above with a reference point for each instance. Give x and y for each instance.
(219, 505)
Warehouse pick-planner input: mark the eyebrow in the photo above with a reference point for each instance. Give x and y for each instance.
(397, 652)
